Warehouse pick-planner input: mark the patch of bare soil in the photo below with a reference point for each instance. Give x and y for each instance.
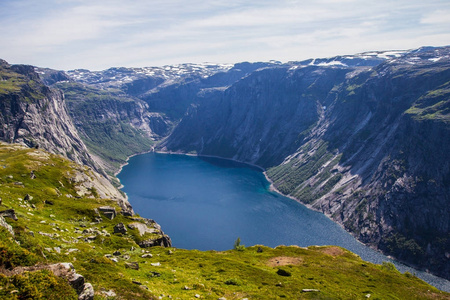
(333, 251)
(284, 261)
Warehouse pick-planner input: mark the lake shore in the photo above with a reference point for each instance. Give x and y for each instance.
(273, 188)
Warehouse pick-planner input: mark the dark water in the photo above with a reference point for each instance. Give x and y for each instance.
(207, 203)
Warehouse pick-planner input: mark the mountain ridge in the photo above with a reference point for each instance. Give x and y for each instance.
(279, 116)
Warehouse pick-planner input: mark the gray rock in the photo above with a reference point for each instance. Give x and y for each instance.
(309, 290)
(132, 265)
(87, 293)
(108, 211)
(120, 228)
(163, 241)
(6, 225)
(10, 213)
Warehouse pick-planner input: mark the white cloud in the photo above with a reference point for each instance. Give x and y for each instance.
(99, 34)
(437, 17)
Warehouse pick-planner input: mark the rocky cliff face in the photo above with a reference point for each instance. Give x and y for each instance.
(123, 111)
(367, 146)
(113, 125)
(260, 118)
(35, 115)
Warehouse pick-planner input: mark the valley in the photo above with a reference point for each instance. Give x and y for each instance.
(363, 139)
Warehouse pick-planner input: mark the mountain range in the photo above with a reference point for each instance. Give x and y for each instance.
(364, 139)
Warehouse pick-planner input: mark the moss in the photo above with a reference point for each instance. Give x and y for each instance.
(36, 285)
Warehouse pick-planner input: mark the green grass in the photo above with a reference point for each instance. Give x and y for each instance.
(14, 83)
(434, 105)
(10, 82)
(255, 272)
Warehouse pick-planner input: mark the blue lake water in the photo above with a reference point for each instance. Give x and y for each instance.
(207, 203)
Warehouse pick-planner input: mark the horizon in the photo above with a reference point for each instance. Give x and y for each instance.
(97, 35)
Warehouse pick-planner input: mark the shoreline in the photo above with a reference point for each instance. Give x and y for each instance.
(273, 188)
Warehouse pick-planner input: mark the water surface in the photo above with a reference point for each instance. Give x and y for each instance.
(207, 203)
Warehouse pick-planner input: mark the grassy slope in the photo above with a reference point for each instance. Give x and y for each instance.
(183, 274)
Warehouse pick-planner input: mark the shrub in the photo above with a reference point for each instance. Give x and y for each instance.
(238, 246)
(283, 272)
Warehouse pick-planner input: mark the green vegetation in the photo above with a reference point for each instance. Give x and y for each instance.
(114, 142)
(55, 227)
(12, 82)
(237, 245)
(435, 105)
(35, 285)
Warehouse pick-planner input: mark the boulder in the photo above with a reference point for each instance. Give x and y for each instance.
(163, 241)
(142, 228)
(120, 228)
(108, 211)
(310, 291)
(132, 265)
(6, 225)
(87, 293)
(10, 213)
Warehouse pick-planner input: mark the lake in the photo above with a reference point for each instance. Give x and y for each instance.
(207, 203)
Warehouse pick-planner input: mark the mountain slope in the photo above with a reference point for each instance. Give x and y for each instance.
(362, 138)
(367, 146)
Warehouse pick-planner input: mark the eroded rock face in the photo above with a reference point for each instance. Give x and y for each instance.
(35, 115)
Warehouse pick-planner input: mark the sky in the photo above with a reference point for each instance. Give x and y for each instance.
(99, 34)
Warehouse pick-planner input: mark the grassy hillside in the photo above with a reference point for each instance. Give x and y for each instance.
(56, 224)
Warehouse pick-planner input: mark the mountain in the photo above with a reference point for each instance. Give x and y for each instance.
(362, 138)
(367, 146)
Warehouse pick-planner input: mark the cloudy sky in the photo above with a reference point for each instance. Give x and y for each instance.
(98, 34)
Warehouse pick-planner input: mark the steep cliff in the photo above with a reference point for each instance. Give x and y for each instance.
(367, 146)
(35, 115)
(123, 111)
(260, 118)
(113, 125)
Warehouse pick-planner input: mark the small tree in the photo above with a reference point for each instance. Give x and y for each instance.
(238, 246)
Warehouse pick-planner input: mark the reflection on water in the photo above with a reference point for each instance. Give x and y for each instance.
(206, 203)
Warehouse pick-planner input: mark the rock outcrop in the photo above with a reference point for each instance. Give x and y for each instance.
(66, 271)
(35, 115)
